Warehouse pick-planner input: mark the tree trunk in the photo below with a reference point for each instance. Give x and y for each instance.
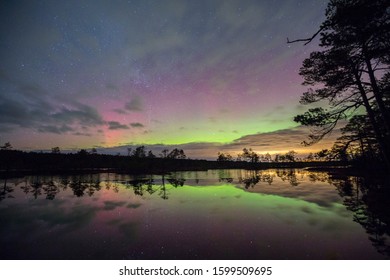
(377, 94)
(371, 115)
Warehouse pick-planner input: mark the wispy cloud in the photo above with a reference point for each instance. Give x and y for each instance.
(55, 129)
(137, 125)
(114, 125)
(120, 111)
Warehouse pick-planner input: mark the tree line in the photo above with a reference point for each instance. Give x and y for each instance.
(138, 160)
(138, 152)
(248, 155)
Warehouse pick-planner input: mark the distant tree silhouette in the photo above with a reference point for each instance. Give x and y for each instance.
(55, 150)
(224, 157)
(139, 152)
(290, 156)
(310, 157)
(267, 158)
(7, 156)
(164, 153)
(6, 147)
(177, 154)
(94, 151)
(322, 155)
(249, 155)
(151, 155)
(351, 71)
(282, 158)
(83, 152)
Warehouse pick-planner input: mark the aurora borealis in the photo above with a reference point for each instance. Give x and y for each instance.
(207, 76)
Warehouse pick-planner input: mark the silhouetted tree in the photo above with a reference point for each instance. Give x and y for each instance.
(267, 157)
(352, 69)
(338, 152)
(83, 152)
(322, 155)
(7, 146)
(310, 157)
(151, 155)
(290, 156)
(164, 153)
(7, 156)
(176, 154)
(55, 150)
(93, 151)
(139, 152)
(282, 158)
(249, 155)
(224, 157)
(358, 139)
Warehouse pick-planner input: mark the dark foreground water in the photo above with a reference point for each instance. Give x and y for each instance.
(218, 214)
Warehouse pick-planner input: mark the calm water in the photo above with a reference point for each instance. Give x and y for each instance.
(218, 214)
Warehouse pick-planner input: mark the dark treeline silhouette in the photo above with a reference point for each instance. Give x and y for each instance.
(249, 155)
(13, 160)
(351, 72)
(137, 161)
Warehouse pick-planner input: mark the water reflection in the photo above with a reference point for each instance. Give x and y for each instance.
(303, 201)
(6, 191)
(369, 201)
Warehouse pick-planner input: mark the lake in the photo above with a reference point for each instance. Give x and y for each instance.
(215, 214)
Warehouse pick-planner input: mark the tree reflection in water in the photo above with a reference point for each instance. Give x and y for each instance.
(251, 178)
(367, 198)
(140, 185)
(5, 191)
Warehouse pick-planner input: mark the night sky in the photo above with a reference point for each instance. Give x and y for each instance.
(206, 76)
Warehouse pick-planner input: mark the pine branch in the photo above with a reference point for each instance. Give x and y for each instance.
(307, 40)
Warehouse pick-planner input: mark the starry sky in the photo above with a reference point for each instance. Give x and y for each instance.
(206, 76)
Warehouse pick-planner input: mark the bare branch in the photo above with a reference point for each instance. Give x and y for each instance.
(307, 40)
